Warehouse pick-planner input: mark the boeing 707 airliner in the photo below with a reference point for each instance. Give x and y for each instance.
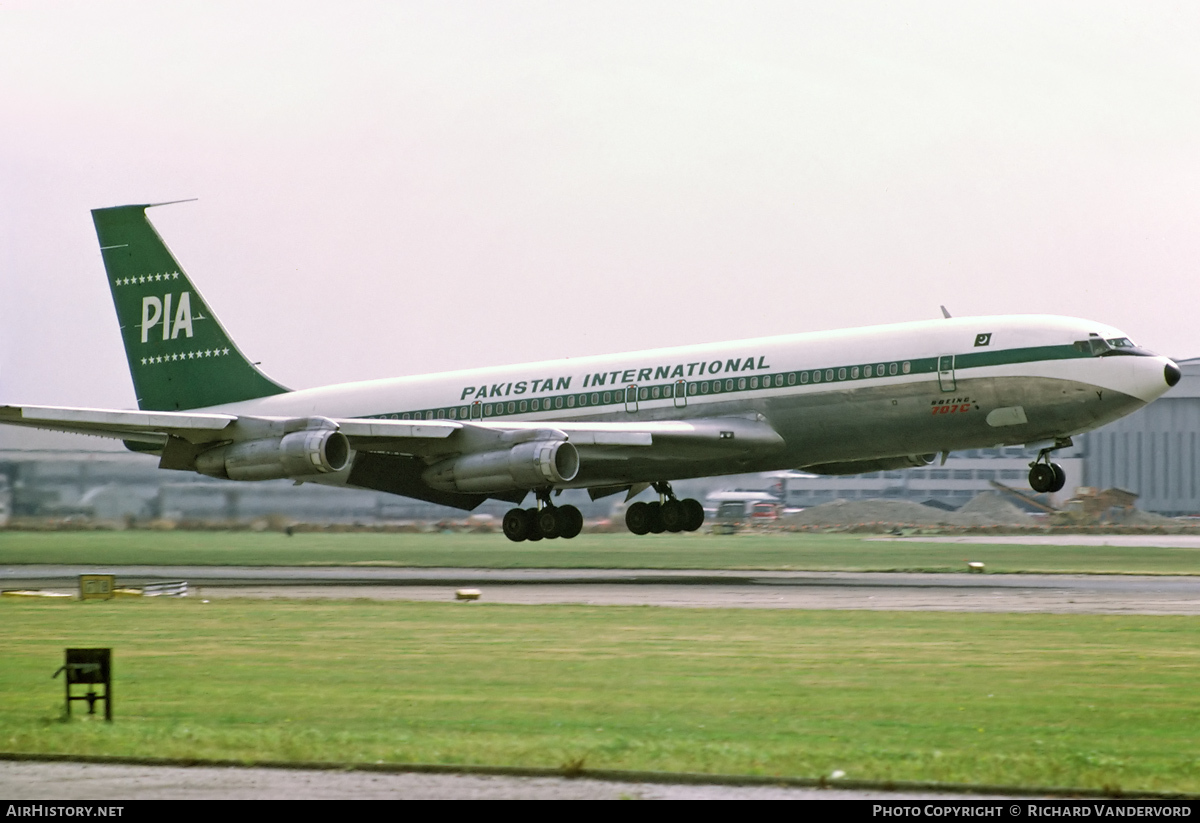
(841, 402)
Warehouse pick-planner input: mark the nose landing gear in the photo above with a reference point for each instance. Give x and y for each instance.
(544, 520)
(1045, 476)
(668, 513)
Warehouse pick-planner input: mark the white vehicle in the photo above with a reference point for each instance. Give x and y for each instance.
(840, 402)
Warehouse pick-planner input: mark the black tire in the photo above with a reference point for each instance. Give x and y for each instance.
(516, 525)
(548, 522)
(1041, 477)
(693, 515)
(637, 518)
(572, 522)
(533, 532)
(673, 516)
(654, 515)
(1060, 478)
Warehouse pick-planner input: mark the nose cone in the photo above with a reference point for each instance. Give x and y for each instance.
(1171, 373)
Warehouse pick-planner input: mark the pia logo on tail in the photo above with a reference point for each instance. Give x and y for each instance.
(157, 312)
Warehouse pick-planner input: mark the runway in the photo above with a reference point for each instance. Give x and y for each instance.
(1033, 593)
(22, 780)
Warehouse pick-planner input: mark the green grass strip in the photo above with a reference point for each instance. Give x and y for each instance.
(1107, 704)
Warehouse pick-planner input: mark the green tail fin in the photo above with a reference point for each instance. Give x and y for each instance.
(179, 355)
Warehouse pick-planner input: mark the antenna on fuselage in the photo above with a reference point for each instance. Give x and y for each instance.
(945, 313)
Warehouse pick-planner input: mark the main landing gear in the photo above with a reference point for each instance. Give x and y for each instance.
(1045, 476)
(545, 520)
(668, 514)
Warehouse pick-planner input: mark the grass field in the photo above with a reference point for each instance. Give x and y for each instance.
(1084, 701)
(689, 551)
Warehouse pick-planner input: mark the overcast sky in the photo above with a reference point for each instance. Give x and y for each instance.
(398, 188)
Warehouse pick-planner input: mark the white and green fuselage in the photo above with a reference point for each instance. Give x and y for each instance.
(835, 398)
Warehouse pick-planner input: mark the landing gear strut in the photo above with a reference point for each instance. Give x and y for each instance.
(544, 520)
(1045, 476)
(667, 514)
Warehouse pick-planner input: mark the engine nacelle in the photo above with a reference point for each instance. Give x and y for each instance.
(530, 465)
(302, 453)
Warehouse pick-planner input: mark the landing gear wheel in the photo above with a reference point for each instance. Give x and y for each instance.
(654, 515)
(571, 522)
(637, 518)
(1041, 477)
(516, 525)
(693, 515)
(673, 516)
(548, 522)
(1060, 478)
(533, 530)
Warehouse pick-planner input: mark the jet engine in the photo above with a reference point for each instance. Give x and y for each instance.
(302, 453)
(530, 465)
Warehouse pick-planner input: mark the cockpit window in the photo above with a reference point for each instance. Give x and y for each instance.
(1096, 346)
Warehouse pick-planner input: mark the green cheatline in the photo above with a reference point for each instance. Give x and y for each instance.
(179, 356)
(1025, 700)
(798, 551)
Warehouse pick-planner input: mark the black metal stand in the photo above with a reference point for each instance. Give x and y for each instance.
(89, 667)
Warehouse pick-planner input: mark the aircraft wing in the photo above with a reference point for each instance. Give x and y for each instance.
(149, 427)
(678, 439)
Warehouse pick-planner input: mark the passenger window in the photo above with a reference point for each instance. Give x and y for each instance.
(742, 383)
(841, 374)
(892, 369)
(595, 398)
(487, 409)
(608, 397)
(754, 382)
(704, 387)
(817, 376)
(791, 378)
(535, 405)
(558, 402)
(454, 414)
(512, 407)
(828, 375)
(866, 371)
(729, 385)
(691, 388)
(524, 405)
(907, 367)
(854, 373)
(643, 394)
(570, 401)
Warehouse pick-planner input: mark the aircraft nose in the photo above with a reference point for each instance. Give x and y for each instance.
(1171, 373)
